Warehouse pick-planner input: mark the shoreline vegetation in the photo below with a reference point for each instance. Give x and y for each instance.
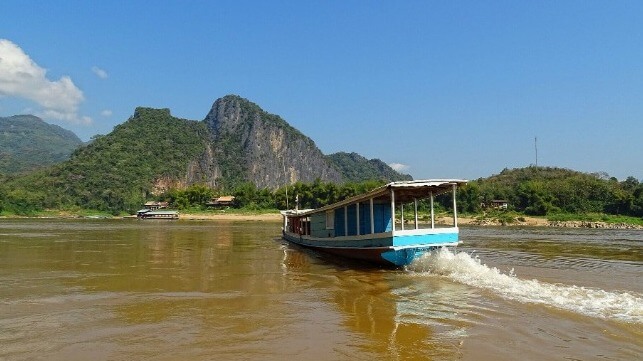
(500, 219)
(532, 196)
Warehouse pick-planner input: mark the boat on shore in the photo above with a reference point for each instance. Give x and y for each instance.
(371, 227)
(157, 214)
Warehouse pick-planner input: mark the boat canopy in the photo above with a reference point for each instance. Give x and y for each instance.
(405, 191)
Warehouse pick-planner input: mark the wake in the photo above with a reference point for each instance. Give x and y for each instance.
(463, 268)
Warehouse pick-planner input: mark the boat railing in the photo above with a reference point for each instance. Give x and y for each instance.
(402, 223)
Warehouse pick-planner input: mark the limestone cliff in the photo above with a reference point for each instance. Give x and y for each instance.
(250, 144)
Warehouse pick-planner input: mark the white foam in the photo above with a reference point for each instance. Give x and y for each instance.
(464, 268)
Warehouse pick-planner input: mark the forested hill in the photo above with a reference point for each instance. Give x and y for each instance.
(356, 168)
(116, 171)
(153, 152)
(28, 143)
(548, 190)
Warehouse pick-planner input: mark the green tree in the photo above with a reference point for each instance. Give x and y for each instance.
(637, 201)
(534, 199)
(469, 198)
(199, 194)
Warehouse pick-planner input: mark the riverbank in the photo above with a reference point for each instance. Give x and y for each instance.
(257, 217)
(463, 220)
(523, 221)
(200, 216)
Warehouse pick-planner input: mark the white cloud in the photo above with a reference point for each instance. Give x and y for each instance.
(21, 77)
(399, 167)
(99, 72)
(106, 113)
(67, 117)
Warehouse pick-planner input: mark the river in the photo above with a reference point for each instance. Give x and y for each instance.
(220, 290)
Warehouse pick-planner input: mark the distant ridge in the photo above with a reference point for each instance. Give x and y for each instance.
(28, 143)
(357, 168)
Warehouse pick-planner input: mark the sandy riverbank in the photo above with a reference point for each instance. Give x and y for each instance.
(523, 221)
(262, 217)
(526, 221)
(276, 217)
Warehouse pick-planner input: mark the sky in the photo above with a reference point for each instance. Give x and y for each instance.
(436, 89)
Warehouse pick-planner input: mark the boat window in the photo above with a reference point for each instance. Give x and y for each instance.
(330, 219)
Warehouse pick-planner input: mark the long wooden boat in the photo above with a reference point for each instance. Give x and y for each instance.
(157, 214)
(366, 227)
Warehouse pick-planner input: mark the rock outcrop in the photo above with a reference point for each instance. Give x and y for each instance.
(251, 144)
(587, 224)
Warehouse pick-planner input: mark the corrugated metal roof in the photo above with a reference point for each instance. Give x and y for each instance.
(225, 199)
(405, 191)
(161, 212)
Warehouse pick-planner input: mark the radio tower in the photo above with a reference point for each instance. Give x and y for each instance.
(536, 146)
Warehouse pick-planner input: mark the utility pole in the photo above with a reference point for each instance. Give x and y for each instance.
(283, 164)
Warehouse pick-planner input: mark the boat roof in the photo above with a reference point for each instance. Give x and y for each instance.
(405, 191)
(162, 212)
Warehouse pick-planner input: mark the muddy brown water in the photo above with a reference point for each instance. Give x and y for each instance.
(221, 290)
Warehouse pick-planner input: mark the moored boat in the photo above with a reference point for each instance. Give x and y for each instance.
(157, 214)
(366, 227)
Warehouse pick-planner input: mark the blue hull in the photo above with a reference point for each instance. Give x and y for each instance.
(384, 250)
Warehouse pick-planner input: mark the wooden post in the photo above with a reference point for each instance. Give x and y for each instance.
(392, 210)
(415, 202)
(432, 214)
(372, 217)
(357, 215)
(346, 220)
(455, 211)
(402, 215)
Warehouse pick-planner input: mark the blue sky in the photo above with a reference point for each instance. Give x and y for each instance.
(442, 89)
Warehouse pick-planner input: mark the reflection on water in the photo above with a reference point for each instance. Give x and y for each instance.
(112, 290)
(371, 311)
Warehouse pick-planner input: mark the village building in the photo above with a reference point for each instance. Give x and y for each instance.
(154, 205)
(498, 204)
(221, 202)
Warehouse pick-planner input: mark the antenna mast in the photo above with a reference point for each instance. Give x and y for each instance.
(536, 146)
